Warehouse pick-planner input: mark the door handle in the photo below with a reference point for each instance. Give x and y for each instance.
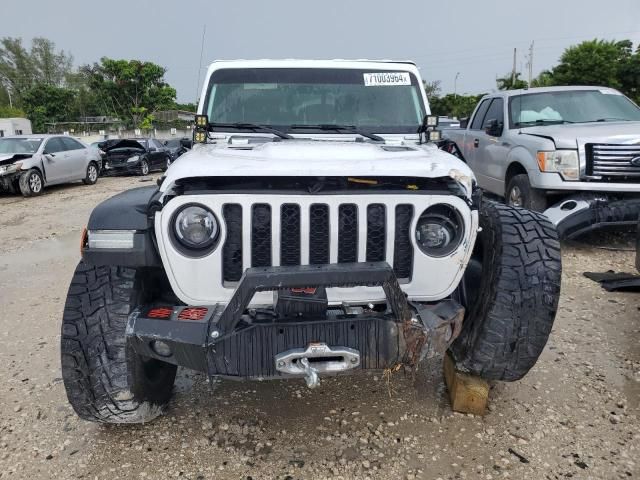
(476, 143)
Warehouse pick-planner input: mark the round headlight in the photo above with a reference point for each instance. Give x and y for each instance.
(439, 230)
(196, 227)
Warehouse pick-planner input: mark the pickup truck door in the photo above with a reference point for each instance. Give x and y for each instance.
(471, 140)
(54, 162)
(490, 156)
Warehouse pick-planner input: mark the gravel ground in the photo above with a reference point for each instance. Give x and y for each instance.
(576, 415)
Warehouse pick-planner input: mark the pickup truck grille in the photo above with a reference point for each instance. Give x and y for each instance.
(350, 223)
(614, 162)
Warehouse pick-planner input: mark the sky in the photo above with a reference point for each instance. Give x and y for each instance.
(470, 39)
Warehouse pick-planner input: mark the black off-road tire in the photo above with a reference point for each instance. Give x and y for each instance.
(105, 380)
(31, 183)
(532, 198)
(513, 301)
(92, 176)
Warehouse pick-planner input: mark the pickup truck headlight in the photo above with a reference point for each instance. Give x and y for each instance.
(7, 169)
(133, 159)
(564, 162)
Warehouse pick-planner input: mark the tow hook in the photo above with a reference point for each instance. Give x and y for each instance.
(317, 358)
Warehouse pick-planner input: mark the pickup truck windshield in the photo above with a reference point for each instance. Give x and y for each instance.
(373, 101)
(19, 145)
(571, 106)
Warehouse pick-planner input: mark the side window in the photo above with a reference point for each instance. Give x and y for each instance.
(495, 112)
(55, 145)
(478, 118)
(71, 144)
(155, 144)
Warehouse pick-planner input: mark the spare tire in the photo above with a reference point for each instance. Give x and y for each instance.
(511, 296)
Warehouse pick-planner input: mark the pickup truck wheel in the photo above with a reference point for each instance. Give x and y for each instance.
(520, 193)
(513, 302)
(106, 381)
(30, 183)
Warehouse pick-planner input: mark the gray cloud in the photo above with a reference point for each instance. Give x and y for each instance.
(471, 37)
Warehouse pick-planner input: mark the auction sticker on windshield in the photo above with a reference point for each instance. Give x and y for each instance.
(386, 78)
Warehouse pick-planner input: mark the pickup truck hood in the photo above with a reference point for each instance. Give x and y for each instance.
(314, 158)
(574, 135)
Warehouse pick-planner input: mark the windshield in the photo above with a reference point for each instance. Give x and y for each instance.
(19, 145)
(173, 143)
(383, 102)
(572, 106)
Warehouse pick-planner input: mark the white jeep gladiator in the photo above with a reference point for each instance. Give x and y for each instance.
(313, 230)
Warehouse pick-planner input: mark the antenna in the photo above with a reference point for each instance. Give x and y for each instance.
(204, 31)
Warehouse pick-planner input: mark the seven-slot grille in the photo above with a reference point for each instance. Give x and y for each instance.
(615, 161)
(350, 223)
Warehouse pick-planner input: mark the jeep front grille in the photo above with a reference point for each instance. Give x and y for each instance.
(614, 162)
(348, 221)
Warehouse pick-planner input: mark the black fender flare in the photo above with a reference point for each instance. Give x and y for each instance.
(130, 210)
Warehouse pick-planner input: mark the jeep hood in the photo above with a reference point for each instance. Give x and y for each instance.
(9, 158)
(573, 135)
(315, 158)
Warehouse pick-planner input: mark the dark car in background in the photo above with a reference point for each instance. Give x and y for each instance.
(177, 146)
(134, 156)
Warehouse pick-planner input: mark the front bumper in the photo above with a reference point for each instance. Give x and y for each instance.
(8, 181)
(109, 168)
(581, 213)
(232, 341)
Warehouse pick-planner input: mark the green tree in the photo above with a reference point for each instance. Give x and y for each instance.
(454, 105)
(8, 112)
(130, 89)
(545, 79)
(17, 72)
(629, 76)
(511, 82)
(50, 67)
(47, 104)
(187, 107)
(594, 62)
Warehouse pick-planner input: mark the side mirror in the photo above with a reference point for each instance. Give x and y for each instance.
(494, 128)
(464, 122)
(186, 143)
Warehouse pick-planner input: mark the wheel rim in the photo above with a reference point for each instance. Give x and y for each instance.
(93, 173)
(145, 168)
(35, 183)
(515, 197)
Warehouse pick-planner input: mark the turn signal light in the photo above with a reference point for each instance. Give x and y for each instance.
(193, 313)
(160, 313)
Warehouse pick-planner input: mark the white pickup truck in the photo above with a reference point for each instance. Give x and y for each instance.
(570, 152)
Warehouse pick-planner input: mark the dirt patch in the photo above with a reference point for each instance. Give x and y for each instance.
(575, 415)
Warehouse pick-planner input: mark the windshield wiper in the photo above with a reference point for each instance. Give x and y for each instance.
(609, 119)
(542, 121)
(339, 128)
(254, 127)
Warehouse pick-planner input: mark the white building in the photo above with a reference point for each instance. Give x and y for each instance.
(14, 126)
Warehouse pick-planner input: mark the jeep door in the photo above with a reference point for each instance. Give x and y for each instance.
(77, 158)
(489, 160)
(54, 161)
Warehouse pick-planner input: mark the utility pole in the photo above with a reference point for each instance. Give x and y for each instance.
(10, 102)
(530, 63)
(455, 86)
(513, 70)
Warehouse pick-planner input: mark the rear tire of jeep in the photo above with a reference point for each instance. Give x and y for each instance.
(104, 379)
(520, 193)
(510, 316)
